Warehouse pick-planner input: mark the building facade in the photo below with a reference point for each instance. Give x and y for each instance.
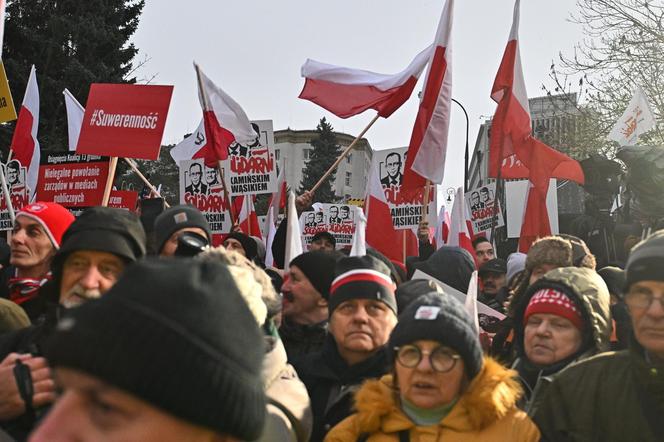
(292, 150)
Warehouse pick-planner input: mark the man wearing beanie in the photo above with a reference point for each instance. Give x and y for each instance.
(36, 236)
(174, 221)
(305, 291)
(440, 386)
(243, 244)
(619, 395)
(115, 358)
(93, 253)
(363, 312)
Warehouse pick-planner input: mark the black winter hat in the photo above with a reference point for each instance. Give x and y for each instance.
(439, 317)
(326, 235)
(248, 244)
(176, 334)
(409, 291)
(495, 265)
(318, 267)
(614, 277)
(105, 229)
(175, 218)
(362, 277)
(646, 260)
(452, 265)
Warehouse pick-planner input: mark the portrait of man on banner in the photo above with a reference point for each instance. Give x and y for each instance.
(393, 166)
(195, 179)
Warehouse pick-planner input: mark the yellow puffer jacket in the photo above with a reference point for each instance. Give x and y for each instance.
(486, 412)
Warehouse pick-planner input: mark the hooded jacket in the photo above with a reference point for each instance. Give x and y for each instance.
(590, 293)
(485, 412)
(451, 265)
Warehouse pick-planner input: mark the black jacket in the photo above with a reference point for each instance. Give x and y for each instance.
(300, 340)
(332, 383)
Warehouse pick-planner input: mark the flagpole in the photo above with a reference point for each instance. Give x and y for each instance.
(109, 181)
(425, 201)
(246, 202)
(403, 241)
(343, 155)
(145, 180)
(499, 187)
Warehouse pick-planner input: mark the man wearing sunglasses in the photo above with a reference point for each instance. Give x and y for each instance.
(618, 396)
(362, 309)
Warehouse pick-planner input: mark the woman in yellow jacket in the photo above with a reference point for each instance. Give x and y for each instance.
(441, 387)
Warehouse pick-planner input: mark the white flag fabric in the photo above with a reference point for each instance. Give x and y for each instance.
(637, 119)
(442, 227)
(293, 234)
(75, 114)
(359, 247)
(190, 146)
(270, 231)
(471, 301)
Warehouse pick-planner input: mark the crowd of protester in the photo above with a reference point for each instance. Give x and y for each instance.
(116, 330)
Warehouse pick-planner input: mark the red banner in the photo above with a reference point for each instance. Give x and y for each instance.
(123, 199)
(72, 180)
(124, 120)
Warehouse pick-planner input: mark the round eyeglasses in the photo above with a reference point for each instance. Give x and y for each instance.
(440, 359)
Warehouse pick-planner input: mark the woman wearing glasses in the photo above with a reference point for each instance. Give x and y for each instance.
(440, 388)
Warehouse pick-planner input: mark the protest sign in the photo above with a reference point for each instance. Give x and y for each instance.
(338, 219)
(482, 205)
(72, 179)
(124, 120)
(7, 109)
(123, 199)
(19, 192)
(515, 204)
(200, 186)
(406, 210)
(252, 169)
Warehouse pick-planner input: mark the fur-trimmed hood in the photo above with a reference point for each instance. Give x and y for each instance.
(491, 396)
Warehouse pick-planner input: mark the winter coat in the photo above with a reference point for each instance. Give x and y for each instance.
(485, 412)
(617, 396)
(592, 296)
(289, 415)
(331, 383)
(301, 340)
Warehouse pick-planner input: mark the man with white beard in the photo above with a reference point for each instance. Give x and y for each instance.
(93, 253)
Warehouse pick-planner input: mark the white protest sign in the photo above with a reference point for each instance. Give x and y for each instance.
(515, 205)
(406, 212)
(481, 204)
(338, 219)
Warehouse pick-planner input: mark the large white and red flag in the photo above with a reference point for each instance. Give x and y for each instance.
(442, 232)
(75, 114)
(346, 91)
(270, 231)
(511, 136)
(192, 147)
(459, 235)
(224, 120)
(428, 142)
(247, 219)
(25, 146)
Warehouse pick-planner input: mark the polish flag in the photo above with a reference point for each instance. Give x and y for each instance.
(224, 120)
(193, 146)
(270, 231)
(75, 114)
(25, 146)
(247, 219)
(459, 235)
(441, 235)
(428, 142)
(293, 233)
(346, 91)
(380, 232)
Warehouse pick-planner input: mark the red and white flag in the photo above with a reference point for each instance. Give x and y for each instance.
(441, 235)
(293, 232)
(75, 114)
(224, 120)
(25, 146)
(428, 142)
(191, 147)
(270, 231)
(346, 91)
(459, 235)
(247, 219)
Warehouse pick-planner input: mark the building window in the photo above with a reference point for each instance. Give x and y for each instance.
(349, 158)
(348, 178)
(277, 154)
(306, 153)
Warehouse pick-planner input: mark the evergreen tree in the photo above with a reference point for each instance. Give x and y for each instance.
(72, 43)
(324, 153)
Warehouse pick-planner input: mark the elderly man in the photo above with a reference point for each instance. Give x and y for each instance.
(305, 291)
(618, 396)
(363, 312)
(35, 239)
(110, 356)
(173, 222)
(93, 254)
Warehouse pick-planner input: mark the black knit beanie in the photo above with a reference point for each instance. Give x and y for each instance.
(175, 218)
(176, 334)
(362, 277)
(318, 267)
(646, 260)
(248, 244)
(439, 317)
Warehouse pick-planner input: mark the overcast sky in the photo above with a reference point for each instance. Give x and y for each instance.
(253, 49)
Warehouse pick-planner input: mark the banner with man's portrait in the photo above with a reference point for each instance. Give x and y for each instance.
(338, 219)
(482, 205)
(19, 192)
(406, 210)
(200, 186)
